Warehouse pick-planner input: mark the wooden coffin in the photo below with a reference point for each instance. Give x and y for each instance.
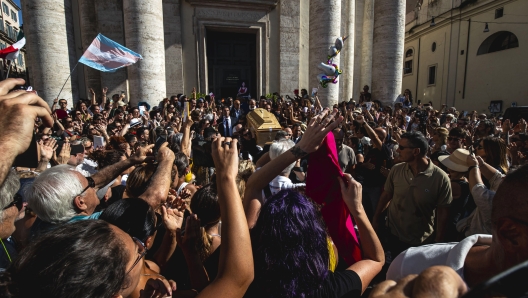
(264, 125)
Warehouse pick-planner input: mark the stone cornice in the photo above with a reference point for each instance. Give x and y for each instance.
(266, 5)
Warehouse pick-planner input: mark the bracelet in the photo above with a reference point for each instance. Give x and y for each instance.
(472, 167)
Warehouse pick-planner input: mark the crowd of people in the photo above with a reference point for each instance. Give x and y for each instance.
(183, 199)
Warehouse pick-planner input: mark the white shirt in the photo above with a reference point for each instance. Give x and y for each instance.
(87, 168)
(227, 126)
(416, 259)
(279, 183)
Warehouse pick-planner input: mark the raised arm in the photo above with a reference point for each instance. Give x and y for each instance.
(317, 130)
(17, 129)
(158, 190)
(109, 173)
(235, 268)
(371, 133)
(92, 97)
(186, 139)
(373, 255)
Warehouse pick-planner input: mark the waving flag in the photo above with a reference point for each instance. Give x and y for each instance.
(12, 51)
(107, 55)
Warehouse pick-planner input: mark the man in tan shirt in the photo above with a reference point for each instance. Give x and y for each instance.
(416, 189)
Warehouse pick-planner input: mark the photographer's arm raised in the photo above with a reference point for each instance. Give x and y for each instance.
(17, 129)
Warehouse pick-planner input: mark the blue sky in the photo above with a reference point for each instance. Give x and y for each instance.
(20, 14)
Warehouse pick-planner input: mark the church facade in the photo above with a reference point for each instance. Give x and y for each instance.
(216, 45)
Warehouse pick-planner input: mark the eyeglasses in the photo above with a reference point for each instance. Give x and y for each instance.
(142, 251)
(405, 147)
(453, 139)
(289, 135)
(17, 201)
(91, 183)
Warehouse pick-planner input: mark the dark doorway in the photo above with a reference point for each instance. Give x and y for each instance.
(231, 61)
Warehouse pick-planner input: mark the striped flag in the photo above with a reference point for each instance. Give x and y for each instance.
(12, 51)
(107, 55)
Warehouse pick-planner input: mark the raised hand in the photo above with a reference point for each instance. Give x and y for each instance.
(105, 90)
(47, 148)
(23, 108)
(351, 192)
(318, 127)
(64, 155)
(141, 154)
(164, 152)
(172, 218)
(92, 92)
(225, 156)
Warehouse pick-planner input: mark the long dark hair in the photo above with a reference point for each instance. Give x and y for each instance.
(290, 246)
(80, 259)
(132, 215)
(205, 205)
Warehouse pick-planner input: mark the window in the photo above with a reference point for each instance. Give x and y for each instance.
(432, 75)
(8, 29)
(408, 64)
(14, 16)
(15, 34)
(499, 12)
(20, 61)
(408, 67)
(433, 47)
(5, 8)
(499, 41)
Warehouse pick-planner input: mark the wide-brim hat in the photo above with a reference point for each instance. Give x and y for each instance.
(457, 161)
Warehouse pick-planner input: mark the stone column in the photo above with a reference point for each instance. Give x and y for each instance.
(47, 46)
(173, 47)
(387, 56)
(144, 35)
(348, 8)
(290, 42)
(92, 77)
(109, 15)
(325, 20)
(366, 46)
(358, 44)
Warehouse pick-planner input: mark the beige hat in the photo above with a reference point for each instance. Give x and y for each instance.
(457, 161)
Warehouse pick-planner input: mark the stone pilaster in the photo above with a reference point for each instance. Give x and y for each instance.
(173, 47)
(358, 44)
(144, 35)
(109, 16)
(346, 84)
(47, 45)
(325, 20)
(92, 77)
(387, 56)
(289, 45)
(366, 46)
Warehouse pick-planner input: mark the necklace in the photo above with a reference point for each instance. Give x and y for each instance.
(5, 249)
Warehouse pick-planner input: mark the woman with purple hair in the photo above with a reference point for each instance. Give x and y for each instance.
(289, 238)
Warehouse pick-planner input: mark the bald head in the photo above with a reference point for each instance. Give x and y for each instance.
(382, 134)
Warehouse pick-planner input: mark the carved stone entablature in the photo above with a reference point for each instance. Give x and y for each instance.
(229, 14)
(266, 5)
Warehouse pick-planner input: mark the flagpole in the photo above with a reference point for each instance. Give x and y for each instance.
(8, 69)
(67, 79)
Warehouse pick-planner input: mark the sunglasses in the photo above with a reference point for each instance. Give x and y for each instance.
(142, 251)
(405, 147)
(91, 184)
(17, 201)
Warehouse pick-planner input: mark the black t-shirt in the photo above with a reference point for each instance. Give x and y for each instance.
(374, 178)
(337, 284)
